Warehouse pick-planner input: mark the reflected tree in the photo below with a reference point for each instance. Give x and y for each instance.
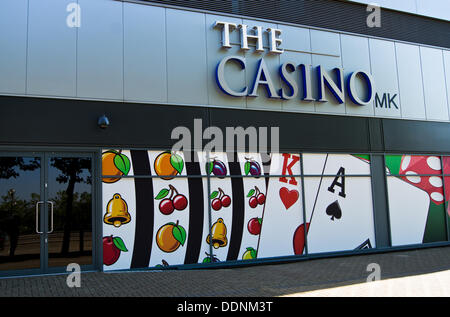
(13, 210)
(71, 170)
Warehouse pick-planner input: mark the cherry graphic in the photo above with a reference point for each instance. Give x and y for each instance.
(216, 204)
(168, 205)
(223, 200)
(253, 202)
(180, 202)
(256, 197)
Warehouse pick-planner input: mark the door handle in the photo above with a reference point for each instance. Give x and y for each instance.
(37, 216)
(51, 215)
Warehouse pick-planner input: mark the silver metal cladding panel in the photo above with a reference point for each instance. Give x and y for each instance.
(51, 50)
(384, 72)
(235, 74)
(100, 50)
(296, 44)
(446, 57)
(13, 44)
(273, 63)
(186, 57)
(410, 81)
(434, 83)
(356, 56)
(145, 65)
(152, 54)
(328, 44)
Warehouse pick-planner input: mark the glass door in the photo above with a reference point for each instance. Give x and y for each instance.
(46, 212)
(69, 210)
(21, 222)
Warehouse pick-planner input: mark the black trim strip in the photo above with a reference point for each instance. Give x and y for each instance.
(196, 212)
(144, 210)
(237, 228)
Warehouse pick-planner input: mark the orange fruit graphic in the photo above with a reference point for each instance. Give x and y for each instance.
(114, 164)
(168, 164)
(170, 236)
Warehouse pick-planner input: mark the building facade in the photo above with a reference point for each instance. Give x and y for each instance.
(159, 134)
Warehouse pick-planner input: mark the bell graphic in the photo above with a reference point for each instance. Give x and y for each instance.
(219, 234)
(117, 212)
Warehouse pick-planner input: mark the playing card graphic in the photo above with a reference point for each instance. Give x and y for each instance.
(420, 172)
(408, 210)
(283, 209)
(338, 206)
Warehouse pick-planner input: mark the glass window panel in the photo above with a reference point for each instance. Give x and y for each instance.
(416, 209)
(332, 164)
(339, 213)
(412, 165)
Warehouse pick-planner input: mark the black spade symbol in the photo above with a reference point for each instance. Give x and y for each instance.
(334, 210)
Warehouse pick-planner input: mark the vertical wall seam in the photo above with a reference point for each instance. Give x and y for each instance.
(26, 47)
(423, 85)
(398, 80)
(206, 61)
(167, 66)
(76, 52)
(123, 51)
(370, 69)
(446, 83)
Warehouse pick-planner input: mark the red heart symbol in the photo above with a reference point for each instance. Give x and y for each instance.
(288, 197)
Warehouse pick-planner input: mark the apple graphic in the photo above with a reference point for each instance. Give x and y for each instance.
(112, 246)
(254, 226)
(299, 238)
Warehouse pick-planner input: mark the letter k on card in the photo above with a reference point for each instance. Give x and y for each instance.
(289, 160)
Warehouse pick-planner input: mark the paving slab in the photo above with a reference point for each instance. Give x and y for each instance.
(419, 272)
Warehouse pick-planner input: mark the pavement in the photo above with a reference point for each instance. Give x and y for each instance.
(420, 272)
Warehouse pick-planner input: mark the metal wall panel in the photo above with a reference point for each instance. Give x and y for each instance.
(434, 84)
(273, 63)
(446, 56)
(145, 73)
(51, 49)
(235, 76)
(186, 57)
(410, 81)
(296, 45)
(384, 72)
(13, 43)
(100, 50)
(326, 49)
(356, 56)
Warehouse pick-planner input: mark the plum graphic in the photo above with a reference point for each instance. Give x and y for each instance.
(112, 246)
(217, 167)
(252, 167)
(208, 258)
